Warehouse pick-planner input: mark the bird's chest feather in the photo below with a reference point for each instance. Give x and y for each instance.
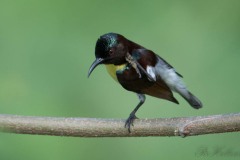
(113, 69)
(130, 79)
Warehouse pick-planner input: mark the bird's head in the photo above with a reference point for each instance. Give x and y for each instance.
(111, 48)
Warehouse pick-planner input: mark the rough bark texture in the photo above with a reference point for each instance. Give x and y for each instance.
(95, 127)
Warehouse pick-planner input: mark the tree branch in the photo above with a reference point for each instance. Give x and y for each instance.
(93, 127)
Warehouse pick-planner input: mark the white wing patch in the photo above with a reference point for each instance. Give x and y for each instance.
(151, 72)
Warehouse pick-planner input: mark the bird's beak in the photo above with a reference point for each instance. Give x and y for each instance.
(94, 65)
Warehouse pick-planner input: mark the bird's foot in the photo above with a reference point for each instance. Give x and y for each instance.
(129, 122)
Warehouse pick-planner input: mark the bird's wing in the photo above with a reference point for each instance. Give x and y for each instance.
(163, 62)
(146, 62)
(145, 59)
(133, 61)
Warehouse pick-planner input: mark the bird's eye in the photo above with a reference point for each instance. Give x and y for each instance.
(110, 52)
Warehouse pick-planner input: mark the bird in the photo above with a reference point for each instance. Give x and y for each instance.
(141, 71)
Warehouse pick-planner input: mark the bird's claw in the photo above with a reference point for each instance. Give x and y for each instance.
(129, 122)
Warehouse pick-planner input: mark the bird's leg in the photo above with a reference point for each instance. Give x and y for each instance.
(132, 116)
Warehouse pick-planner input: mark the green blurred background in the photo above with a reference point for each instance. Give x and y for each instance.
(47, 47)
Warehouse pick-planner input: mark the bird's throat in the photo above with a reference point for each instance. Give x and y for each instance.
(112, 69)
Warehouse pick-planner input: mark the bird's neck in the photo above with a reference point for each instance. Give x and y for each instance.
(132, 46)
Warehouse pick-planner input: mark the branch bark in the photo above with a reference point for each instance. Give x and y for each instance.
(93, 127)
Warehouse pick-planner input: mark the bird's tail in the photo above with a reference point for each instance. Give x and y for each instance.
(193, 101)
(190, 98)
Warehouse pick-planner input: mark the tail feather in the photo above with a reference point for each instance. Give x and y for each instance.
(190, 98)
(193, 101)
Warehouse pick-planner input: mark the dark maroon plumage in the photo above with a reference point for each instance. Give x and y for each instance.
(142, 71)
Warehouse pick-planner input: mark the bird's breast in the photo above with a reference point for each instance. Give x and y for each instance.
(127, 76)
(113, 69)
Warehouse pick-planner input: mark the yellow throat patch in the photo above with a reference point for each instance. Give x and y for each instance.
(112, 69)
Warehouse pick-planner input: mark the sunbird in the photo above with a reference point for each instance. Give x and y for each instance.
(140, 70)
